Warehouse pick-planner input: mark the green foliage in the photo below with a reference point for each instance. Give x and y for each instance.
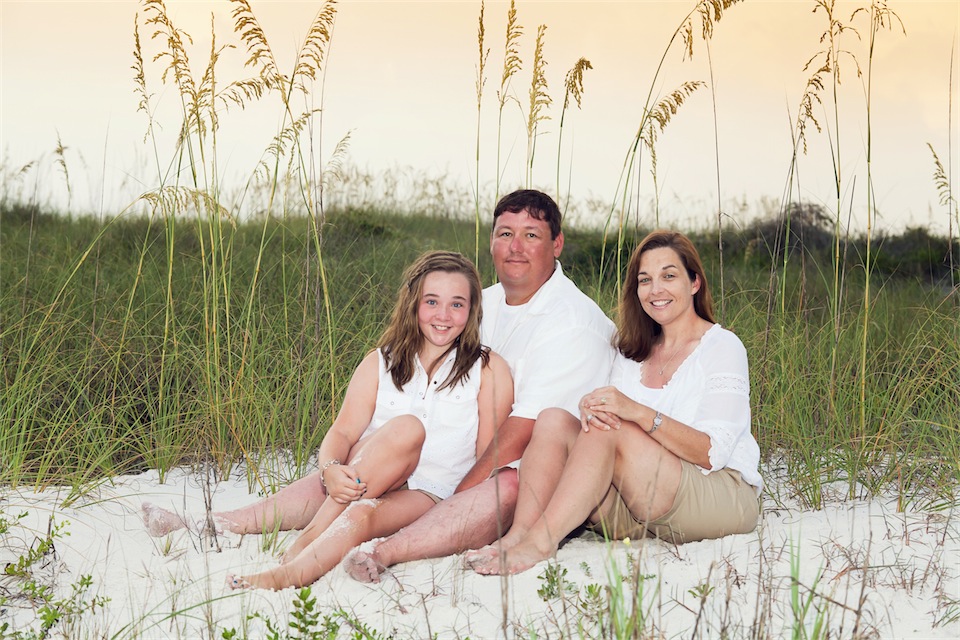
(28, 584)
(554, 583)
(307, 623)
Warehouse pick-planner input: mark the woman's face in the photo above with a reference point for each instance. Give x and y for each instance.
(664, 288)
(444, 308)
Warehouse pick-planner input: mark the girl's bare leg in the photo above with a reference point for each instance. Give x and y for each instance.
(363, 520)
(383, 461)
(292, 507)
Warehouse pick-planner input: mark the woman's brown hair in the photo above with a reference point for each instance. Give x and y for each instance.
(636, 331)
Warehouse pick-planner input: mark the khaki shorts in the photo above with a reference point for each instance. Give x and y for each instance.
(405, 487)
(707, 506)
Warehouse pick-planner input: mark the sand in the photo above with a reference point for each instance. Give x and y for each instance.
(882, 572)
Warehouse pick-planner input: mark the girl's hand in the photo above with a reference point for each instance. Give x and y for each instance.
(604, 409)
(343, 483)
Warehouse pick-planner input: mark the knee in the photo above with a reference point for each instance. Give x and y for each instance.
(406, 431)
(556, 425)
(507, 485)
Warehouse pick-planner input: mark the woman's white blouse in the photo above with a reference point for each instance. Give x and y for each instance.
(710, 392)
(450, 417)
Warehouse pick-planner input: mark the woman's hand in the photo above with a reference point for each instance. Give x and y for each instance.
(604, 409)
(343, 483)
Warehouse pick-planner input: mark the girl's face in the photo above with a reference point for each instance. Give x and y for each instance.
(664, 288)
(444, 308)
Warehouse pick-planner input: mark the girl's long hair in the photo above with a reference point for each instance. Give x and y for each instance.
(401, 341)
(636, 331)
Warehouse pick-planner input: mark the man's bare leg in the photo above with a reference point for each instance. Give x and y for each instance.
(466, 520)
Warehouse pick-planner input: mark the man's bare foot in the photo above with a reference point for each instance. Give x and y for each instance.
(363, 565)
(159, 522)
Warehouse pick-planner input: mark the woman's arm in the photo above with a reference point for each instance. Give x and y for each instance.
(611, 409)
(494, 400)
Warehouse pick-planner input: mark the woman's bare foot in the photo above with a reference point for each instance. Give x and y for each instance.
(159, 522)
(363, 565)
(516, 559)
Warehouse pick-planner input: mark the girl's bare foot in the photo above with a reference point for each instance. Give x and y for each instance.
(159, 522)
(483, 554)
(363, 565)
(237, 582)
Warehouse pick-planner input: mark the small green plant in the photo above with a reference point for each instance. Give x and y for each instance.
(554, 582)
(25, 588)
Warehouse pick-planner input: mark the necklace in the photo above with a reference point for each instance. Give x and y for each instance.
(663, 365)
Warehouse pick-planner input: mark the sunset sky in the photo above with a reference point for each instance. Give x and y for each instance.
(400, 77)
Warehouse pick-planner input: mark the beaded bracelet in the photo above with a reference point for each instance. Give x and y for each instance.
(326, 465)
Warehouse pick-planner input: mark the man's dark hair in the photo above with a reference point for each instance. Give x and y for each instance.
(539, 205)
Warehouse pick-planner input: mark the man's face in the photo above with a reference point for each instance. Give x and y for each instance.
(523, 254)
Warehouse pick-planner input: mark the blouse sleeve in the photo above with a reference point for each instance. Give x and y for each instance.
(724, 413)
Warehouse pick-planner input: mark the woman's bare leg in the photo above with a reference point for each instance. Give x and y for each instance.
(383, 461)
(361, 521)
(645, 474)
(554, 434)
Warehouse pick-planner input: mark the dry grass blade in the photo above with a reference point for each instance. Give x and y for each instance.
(310, 59)
(60, 152)
(334, 169)
(484, 54)
(139, 77)
(511, 53)
(710, 12)
(178, 62)
(664, 110)
(540, 99)
(287, 138)
(574, 82)
(260, 53)
(940, 179)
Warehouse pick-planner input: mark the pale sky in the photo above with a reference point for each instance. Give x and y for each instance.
(401, 74)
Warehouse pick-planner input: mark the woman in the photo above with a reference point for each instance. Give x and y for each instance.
(665, 450)
(417, 412)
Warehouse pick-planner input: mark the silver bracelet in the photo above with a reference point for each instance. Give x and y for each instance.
(326, 465)
(657, 421)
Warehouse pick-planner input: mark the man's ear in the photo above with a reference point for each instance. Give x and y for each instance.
(558, 245)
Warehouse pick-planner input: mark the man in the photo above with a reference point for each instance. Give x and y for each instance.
(557, 343)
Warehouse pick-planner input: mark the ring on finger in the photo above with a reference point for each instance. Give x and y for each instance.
(589, 417)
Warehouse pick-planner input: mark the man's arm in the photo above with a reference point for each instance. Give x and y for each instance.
(507, 445)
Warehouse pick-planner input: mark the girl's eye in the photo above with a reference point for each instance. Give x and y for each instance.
(643, 280)
(458, 305)
(430, 302)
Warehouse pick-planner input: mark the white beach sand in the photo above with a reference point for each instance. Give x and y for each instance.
(899, 570)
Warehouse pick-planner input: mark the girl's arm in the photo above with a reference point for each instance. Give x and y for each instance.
(495, 399)
(354, 417)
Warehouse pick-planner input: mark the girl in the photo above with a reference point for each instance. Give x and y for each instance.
(417, 412)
